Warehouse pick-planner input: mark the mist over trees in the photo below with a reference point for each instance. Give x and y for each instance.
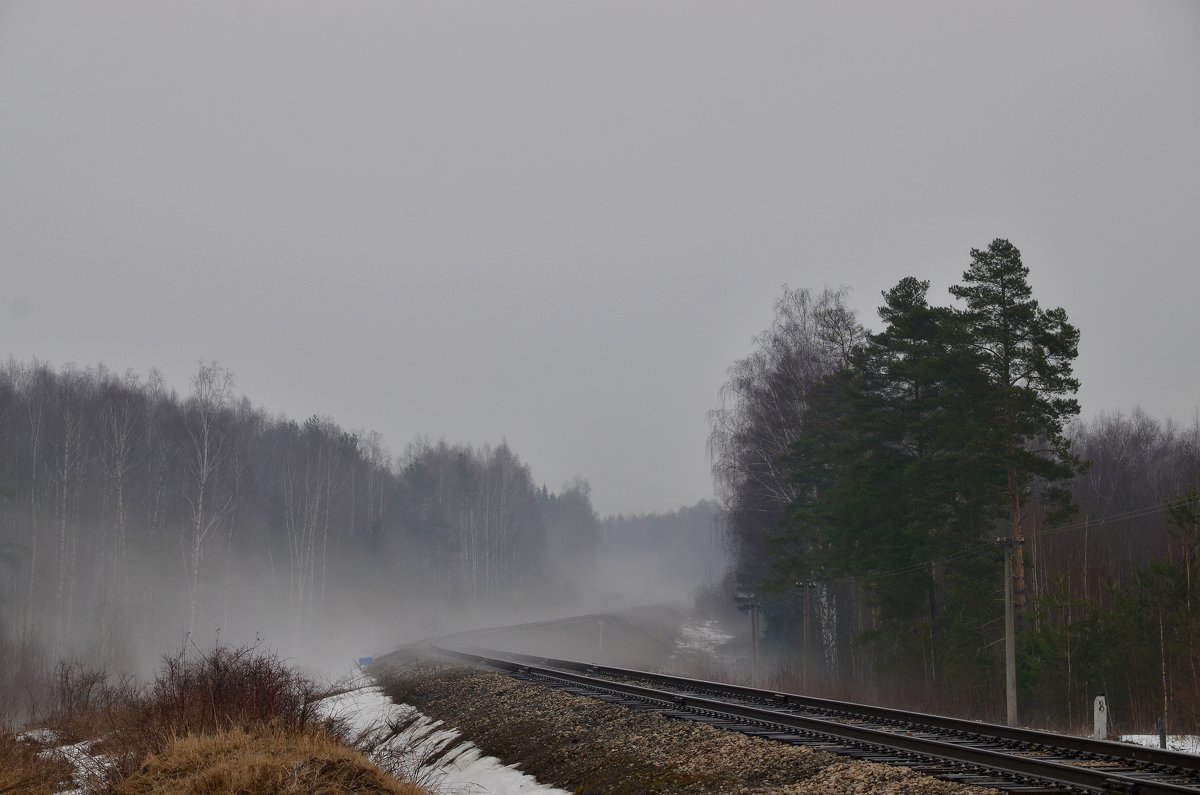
(663, 556)
(131, 515)
(866, 485)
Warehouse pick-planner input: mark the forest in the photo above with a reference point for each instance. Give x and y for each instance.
(871, 480)
(134, 521)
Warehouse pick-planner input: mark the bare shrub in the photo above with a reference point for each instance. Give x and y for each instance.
(224, 719)
(215, 691)
(198, 693)
(225, 688)
(86, 703)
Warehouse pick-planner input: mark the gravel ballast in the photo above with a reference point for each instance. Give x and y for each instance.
(589, 746)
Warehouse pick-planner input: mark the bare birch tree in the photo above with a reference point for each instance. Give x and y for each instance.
(760, 410)
(120, 451)
(212, 390)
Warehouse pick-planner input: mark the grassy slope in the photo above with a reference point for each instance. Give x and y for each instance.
(24, 772)
(265, 762)
(229, 720)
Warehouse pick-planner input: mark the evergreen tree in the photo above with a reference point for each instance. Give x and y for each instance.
(891, 478)
(1026, 354)
(941, 423)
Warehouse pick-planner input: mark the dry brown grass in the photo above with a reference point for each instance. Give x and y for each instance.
(261, 762)
(23, 771)
(207, 692)
(223, 720)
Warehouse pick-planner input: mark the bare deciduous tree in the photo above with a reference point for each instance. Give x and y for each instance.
(212, 390)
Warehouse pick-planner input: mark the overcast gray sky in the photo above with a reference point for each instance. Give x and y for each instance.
(557, 223)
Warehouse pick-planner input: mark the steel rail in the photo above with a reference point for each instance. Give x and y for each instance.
(1081, 745)
(1008, 765)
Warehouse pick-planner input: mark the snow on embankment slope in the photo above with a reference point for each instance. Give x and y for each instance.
(414, 747)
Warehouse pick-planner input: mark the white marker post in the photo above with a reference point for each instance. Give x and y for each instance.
(1100, 718)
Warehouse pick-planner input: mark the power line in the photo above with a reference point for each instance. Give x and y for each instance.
(1135, 513)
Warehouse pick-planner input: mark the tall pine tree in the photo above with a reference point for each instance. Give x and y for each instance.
(1026, 354)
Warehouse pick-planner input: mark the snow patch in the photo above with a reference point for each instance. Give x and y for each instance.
(1187, 743)
(87, 765)
(410, 745)
(701, 636)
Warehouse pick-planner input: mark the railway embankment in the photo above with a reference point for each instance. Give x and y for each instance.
(586, 745)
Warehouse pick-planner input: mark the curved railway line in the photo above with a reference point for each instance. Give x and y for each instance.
(970, 752)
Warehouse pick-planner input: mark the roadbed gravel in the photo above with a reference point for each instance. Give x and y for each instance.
(589, 746)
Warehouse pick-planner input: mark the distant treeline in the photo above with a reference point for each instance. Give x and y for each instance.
(659, 557)
(130, 515)
(870, 474)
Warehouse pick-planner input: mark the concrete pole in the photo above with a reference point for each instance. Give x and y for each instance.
(1162, 650)
(1010, 639)
(807, 648)
(754, 635)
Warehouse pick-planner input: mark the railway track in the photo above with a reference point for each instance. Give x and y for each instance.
(1002, 757)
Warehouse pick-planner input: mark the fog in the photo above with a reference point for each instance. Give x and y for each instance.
(140, 522)
(337, 326)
